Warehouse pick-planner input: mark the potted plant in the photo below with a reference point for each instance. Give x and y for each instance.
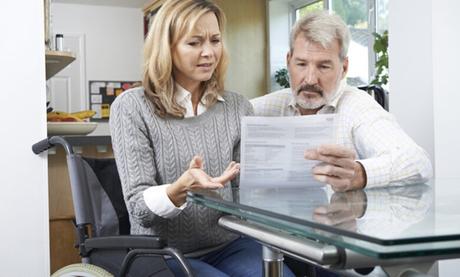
(381, 64)
(282, 77)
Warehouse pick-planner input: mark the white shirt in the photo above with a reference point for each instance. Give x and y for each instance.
(156, 197)
(386, 152)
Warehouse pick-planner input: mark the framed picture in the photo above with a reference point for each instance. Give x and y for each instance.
(103, 93)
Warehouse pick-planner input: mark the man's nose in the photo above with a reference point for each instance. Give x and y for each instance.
(311, 76)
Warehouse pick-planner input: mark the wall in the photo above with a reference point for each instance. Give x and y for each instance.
(246, 40)
(23, 175)
(113, 35)
(424, 61)
(446, 59)
(113, 41)
(411, 69)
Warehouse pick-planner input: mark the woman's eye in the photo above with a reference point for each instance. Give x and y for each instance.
(193, 43)
(215, 41)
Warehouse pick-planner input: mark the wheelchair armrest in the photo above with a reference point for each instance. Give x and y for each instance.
(141, 246)
(129, 241)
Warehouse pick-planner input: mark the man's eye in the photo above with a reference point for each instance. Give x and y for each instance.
(324, 67)
(301, 64)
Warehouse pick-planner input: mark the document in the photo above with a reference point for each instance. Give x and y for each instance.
(272, 149)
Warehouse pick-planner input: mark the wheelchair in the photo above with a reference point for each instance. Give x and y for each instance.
(102, 223)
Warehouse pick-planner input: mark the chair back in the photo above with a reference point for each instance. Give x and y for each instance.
(380, 95)
(100, 202)
(110, 197)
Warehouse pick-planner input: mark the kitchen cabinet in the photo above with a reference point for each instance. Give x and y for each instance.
(57, 61)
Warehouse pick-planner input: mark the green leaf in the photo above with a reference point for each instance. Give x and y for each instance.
(381, 64)
(282, 77)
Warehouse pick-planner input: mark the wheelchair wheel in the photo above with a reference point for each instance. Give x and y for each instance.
(81, 270)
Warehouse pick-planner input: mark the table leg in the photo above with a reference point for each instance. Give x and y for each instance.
(409, 270)
(273, 262)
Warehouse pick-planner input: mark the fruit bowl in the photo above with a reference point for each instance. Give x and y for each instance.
(70, 128)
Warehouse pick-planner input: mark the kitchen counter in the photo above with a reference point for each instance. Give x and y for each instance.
(88, 140)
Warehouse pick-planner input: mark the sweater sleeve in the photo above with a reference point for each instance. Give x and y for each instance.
(134, 154)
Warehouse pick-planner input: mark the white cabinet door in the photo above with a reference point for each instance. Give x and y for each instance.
(67, 90)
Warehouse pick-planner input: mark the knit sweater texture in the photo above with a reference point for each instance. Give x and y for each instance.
(150, 151)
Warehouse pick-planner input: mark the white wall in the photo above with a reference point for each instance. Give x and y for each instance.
(23, 175)
(113, 41)
(113, 35)
(424, 63)
(411, 69)
(424, 60)
(446, 60)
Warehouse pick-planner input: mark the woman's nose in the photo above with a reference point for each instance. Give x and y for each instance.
(207, 49)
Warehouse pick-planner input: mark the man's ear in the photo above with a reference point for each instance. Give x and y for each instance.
(288, 58)
(345, 67)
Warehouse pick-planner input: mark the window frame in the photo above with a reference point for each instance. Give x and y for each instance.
(297, 4)
(371, 19)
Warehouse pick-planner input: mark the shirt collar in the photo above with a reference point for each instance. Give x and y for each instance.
(335, 100)
(332, 105)
(184, 95)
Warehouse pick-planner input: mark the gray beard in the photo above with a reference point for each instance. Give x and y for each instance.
(325, 99)
(311, 106)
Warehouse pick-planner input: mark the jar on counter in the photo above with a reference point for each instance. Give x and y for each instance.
(59, 42)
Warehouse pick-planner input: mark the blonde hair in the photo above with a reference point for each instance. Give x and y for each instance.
(322, 28)
(175, 19)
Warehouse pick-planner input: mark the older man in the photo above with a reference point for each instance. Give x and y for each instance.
(371, 148)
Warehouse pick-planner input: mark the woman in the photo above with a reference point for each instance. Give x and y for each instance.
(177, 133)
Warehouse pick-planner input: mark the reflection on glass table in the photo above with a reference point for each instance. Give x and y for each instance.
(385, 213)
(389, 225)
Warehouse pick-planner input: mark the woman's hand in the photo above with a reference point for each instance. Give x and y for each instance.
(196, 178)
(201, 180)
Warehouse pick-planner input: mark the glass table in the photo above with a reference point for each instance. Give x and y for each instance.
(399, 227)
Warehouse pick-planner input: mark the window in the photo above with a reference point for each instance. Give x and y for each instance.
(363, 17)
(315, 6)
(381, 16)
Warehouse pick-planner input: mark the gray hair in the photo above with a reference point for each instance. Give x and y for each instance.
(323, 28)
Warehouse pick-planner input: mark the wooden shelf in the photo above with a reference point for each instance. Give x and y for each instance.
(56, 61)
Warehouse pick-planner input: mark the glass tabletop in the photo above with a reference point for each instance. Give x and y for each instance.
(389, 222)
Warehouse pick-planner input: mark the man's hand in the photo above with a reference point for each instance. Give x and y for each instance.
(338, 167)
(344, 209)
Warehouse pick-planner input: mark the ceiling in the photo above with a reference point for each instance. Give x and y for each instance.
(116, 3)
